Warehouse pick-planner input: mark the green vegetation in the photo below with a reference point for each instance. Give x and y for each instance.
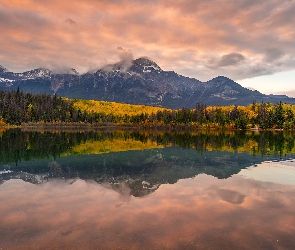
(18, 108)
(119, 109)
(17, 145)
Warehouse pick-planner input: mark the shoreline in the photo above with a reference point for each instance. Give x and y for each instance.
(114, 126)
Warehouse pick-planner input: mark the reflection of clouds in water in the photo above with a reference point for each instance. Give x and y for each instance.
(275, 172)
(231, 196)
(122, 189)
(203, 212)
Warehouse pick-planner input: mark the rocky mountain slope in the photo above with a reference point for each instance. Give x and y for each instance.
(142, 82)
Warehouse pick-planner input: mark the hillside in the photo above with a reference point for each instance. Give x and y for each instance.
(114, 108)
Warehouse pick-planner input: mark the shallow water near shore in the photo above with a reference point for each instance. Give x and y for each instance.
(142, 190)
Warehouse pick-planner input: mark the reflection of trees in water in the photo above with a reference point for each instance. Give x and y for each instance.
(17, 145)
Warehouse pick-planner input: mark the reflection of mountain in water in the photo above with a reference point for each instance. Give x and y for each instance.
(143, 169)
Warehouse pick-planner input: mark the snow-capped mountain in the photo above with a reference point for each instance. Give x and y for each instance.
(140, 81)
(36, 73)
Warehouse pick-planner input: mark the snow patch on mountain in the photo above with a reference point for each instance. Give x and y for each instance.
(148, 69)
(229, 90)
(5, 80)
(36, 73)
(223, 96)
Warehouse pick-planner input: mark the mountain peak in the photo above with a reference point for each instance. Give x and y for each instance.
(139, 65)
(144, 64)
(221, 78)
(143, 60)
(3, 70)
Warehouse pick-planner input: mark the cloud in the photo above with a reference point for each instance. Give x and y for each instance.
(126, 58)
(125, 55)
(70, 21)
(273, 54)
(125, 61)
(290, 93)
(200, 39)
(232, 59)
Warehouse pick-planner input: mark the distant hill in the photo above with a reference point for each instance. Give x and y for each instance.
(143, 82)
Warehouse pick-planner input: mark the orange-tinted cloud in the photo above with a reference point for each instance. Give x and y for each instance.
(182, 36)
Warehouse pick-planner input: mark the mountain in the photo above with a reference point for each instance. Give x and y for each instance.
(141, 81)
(3, 70)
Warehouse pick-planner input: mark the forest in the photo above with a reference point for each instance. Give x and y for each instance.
(18, 108)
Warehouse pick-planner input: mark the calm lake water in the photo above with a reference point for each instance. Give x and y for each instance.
(143, 190)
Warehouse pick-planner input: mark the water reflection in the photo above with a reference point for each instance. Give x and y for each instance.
(196, 213)
(140, 160)
(141, 190)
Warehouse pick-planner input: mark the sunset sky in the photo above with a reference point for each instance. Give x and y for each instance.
(249, 41)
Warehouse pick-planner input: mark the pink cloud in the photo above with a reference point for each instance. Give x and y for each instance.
(36, 33)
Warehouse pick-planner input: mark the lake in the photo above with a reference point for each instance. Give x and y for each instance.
(147, 190)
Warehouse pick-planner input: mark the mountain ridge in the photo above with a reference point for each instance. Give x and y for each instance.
(140, 81)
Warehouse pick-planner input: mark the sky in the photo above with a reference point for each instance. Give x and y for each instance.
(249, 41)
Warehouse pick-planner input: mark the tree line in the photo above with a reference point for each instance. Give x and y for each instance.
(257, 115)
(17, 108)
